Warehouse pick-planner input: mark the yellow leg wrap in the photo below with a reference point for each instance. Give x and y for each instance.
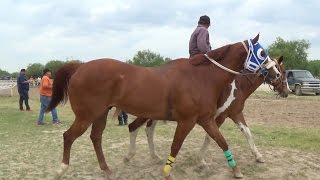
(167, 167)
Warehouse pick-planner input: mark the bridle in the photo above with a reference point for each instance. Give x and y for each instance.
(282, 82)
(263, 69)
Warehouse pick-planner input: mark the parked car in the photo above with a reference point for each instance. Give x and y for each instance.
(5, 78)
(302, 81)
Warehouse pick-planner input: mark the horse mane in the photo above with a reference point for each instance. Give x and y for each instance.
(217, 54)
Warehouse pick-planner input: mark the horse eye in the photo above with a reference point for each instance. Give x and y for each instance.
(261, 54)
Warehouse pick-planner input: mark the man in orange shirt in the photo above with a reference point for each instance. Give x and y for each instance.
(45, 97)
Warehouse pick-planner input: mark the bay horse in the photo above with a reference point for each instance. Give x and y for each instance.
(183, 90)
(230, 104)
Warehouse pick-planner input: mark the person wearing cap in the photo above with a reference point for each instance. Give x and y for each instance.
(45, 97)
(23, 90)
(199, 41)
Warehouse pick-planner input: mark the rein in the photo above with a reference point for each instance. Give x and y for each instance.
(225, 68)
(221, 66)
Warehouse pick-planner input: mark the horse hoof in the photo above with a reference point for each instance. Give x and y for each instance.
(56, 176)
(203, 164)
(110, 175)
(169, 178)
(237, 173)
(59, 173)
(126, 159)
(260, 159)
(155, 157)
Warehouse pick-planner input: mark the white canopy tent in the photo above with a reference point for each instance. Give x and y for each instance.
(6, 87)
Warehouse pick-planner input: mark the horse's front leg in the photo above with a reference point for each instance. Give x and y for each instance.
(210, 126)
(182, 130)
(241, 123)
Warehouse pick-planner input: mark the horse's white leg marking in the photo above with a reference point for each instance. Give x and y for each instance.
(150, 135)
(61, 171)
(132, 147)
(228, 101)
(206, 143)
(246, 132)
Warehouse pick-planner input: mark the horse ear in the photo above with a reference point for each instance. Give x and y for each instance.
(255, 40)
(280, 59)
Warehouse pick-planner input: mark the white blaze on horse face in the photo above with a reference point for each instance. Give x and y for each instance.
(228, 101)
(288, 86)
(272, 64)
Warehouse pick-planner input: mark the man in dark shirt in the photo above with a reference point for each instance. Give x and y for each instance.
(123, 118)
(199, 41)
(23, 89)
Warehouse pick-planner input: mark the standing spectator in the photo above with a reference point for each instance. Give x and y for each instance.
(23, 89)
(123, 118)
(45, 97)
(199, 41)
(38, 81)
(32, 81)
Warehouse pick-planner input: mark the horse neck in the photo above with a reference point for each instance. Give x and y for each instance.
(248, 83)
(231, 57)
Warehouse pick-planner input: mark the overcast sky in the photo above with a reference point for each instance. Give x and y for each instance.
(41, 30)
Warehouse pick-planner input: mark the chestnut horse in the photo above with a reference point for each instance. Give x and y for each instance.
(183, 90)
(231, 104)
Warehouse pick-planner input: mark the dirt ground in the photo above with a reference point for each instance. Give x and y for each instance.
(281, 163)
(39, 157)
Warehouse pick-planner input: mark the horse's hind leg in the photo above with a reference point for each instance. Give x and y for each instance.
(78, 127)
(241, 123)
(212, 129)
(133, 129)
(96, 137)
(204, 147)
(207, 142)
(150, 134)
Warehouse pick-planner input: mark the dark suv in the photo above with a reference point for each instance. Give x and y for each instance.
(302, 81)
(5, 78)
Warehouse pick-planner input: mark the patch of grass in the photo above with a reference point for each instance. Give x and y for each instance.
(35, 152)
(271, 94)
(264, 93)
(292, 138)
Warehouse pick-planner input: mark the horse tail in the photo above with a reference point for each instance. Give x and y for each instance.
(61, 83)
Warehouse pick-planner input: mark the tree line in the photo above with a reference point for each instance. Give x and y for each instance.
(35, 69)
(144, 58)
(295, 53)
